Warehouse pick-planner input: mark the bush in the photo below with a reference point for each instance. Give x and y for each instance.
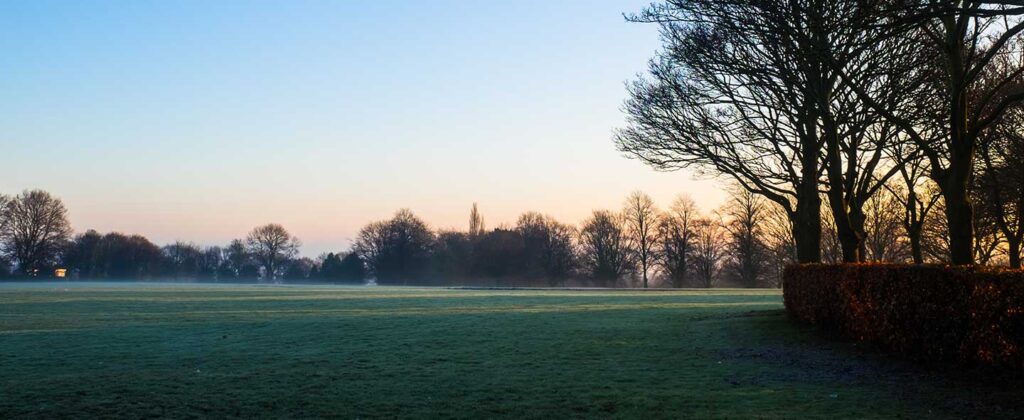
(930, 313)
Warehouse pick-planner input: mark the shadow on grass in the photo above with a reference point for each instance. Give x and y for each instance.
(801, 356)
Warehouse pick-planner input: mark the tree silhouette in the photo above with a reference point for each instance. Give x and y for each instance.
(604, 248)
(676, 236)
(641, 217)
(34, 228)
(271, 245)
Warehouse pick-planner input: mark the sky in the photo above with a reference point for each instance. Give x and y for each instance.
(198, 120)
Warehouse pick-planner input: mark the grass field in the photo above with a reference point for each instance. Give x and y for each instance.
(140, 350)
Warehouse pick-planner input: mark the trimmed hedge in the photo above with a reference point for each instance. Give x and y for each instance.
(930, 313)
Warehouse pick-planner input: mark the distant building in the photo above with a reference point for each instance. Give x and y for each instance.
(60, 273)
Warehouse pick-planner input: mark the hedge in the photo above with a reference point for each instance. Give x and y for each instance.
(970, 315)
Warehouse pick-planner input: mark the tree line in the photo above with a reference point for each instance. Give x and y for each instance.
(832, 110)
(637, 246)
(744, 243)
(36, 239)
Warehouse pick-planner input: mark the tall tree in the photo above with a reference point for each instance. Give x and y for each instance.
(745, 213)
(885, 240)
(397, 251)
(708, 251)
(1000, 181)
(726, 94)
(476, 222)
(237, 258)
(604, 248)
(184, 260)
(641, 216)
(676, 237)
(34, 228)
(917, 196)
(778, 241)
(960, 100)
(271, 245)
(548, 248)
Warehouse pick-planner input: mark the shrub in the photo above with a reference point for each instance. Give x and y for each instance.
(931, 313)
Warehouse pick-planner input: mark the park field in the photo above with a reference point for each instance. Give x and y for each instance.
(143, 350)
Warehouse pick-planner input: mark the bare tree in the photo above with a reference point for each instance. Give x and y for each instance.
(778, 241)
(1000, 181)
(961, 98)
(549, 252)
(604, 248)
(641, 217)
(831, 244)
(708, 251)
(676, 237)
(271, 245)
(918, 197)
(183, 260)
(397, 251)
(34, 227)
(883, 240)
(727, 95)
(936, 240)
(237, 257)
(745, 215)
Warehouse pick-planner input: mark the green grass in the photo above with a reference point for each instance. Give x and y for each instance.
(138, 350)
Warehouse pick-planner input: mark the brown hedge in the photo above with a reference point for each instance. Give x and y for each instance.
(931, 313)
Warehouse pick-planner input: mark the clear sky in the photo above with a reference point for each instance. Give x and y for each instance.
(197, 120)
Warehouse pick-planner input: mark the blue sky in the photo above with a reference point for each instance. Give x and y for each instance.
(197, 120)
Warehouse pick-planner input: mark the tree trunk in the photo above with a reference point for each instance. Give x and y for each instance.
(807, 217)
(857, 220)
(960, 218)
(645, 274)
(1013, 250)
(807, 230)
(850, 242)
(915, 244)
(959, 211)
(955, 179)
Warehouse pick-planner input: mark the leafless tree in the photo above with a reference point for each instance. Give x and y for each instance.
(271, 245)
(936, 242)
(779, 242)
(916, 193)
(727, 95)
(237, 257)
(1000, 181)
(747, 253)
(676, 238)
(708, 250)
(831, 245)
(548, 247)
(397, 251)
(641, 216)
(884, 240)
(34, 227)
(960, 99)
(184, 259)
(604, 248)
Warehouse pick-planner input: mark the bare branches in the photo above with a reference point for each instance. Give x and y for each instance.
(34, 227)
